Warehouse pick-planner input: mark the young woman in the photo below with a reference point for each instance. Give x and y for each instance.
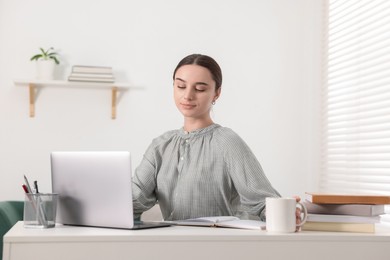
(202, 169)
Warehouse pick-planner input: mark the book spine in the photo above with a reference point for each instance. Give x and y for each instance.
(339, 227)
(91, 69)
(92, 75)
(79, 79)
(342, 218)
(347, 199)
(345, 209)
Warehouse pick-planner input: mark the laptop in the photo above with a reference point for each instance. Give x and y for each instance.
(95, 189)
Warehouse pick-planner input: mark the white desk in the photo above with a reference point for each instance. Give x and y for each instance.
(187, 243)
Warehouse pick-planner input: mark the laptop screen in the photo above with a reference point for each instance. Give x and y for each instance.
(94, 188)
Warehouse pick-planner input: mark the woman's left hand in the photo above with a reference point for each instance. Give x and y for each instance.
(298, 214)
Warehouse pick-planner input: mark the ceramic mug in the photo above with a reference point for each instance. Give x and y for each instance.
(280, 214)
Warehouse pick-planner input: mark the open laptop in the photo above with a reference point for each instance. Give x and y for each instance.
(95, 189)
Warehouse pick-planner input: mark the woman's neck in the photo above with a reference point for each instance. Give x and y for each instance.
(195, 124)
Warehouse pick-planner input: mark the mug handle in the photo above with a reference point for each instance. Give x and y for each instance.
(303, 220)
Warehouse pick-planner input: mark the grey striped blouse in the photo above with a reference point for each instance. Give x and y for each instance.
(208, 172)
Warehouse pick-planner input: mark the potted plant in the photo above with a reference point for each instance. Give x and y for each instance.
(46, 62)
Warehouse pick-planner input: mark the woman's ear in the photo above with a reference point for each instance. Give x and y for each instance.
(217, 93)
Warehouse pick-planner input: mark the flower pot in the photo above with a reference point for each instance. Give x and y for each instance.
(45, 69)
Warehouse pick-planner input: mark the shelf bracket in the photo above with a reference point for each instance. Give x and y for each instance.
(114, 92)
(32, 99)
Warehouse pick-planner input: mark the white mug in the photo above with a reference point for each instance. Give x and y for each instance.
(281, 214)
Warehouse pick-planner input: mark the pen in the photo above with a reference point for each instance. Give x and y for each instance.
(27, 184)
(36, 186)
(25, 188)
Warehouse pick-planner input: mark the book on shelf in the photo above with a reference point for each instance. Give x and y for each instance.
(85, 79)
(345, 209)
(222, 221)
(339, 227)
(92, 75)
(91, 69)
(342, 218)
(331, 198)
(81, 73)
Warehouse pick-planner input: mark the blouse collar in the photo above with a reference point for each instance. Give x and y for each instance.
(197, 132)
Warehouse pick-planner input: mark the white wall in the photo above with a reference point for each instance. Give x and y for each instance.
(269, 51)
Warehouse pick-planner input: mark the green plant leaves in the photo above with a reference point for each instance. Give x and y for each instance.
(45, 55)
(36, 57)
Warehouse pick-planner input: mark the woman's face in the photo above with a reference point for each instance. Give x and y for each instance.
(194, 91)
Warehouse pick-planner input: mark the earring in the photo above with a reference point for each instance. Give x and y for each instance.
(213, 103)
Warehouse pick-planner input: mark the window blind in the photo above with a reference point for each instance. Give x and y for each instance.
(356, 97)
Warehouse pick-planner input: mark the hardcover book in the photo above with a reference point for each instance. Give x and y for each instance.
(91, 69)
(345, 209)
(339, 227)
(342, 218)
(85, 79)
(329, 198)
(93, 75)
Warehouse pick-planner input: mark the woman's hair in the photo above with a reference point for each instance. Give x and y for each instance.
(203, 61)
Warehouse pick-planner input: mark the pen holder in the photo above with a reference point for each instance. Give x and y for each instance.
(40, 210)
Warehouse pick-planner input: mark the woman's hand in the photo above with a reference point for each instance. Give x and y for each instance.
(298, 214)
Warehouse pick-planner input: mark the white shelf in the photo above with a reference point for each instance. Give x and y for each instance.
(33, 84)
(71, 83)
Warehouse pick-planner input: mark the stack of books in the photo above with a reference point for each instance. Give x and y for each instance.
(344, 212)
(91, 74)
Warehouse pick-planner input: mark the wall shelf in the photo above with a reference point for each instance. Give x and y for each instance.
(33, 84)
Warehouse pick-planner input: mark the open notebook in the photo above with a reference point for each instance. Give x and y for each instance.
(95, 189)
(222, 221)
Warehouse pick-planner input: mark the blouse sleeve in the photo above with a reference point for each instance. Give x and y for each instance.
(248, 176)
(144, 183)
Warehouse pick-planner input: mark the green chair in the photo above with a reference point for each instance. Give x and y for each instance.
(10, 213)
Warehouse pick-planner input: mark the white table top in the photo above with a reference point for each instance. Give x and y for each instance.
(191, 243)
(73, 233)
